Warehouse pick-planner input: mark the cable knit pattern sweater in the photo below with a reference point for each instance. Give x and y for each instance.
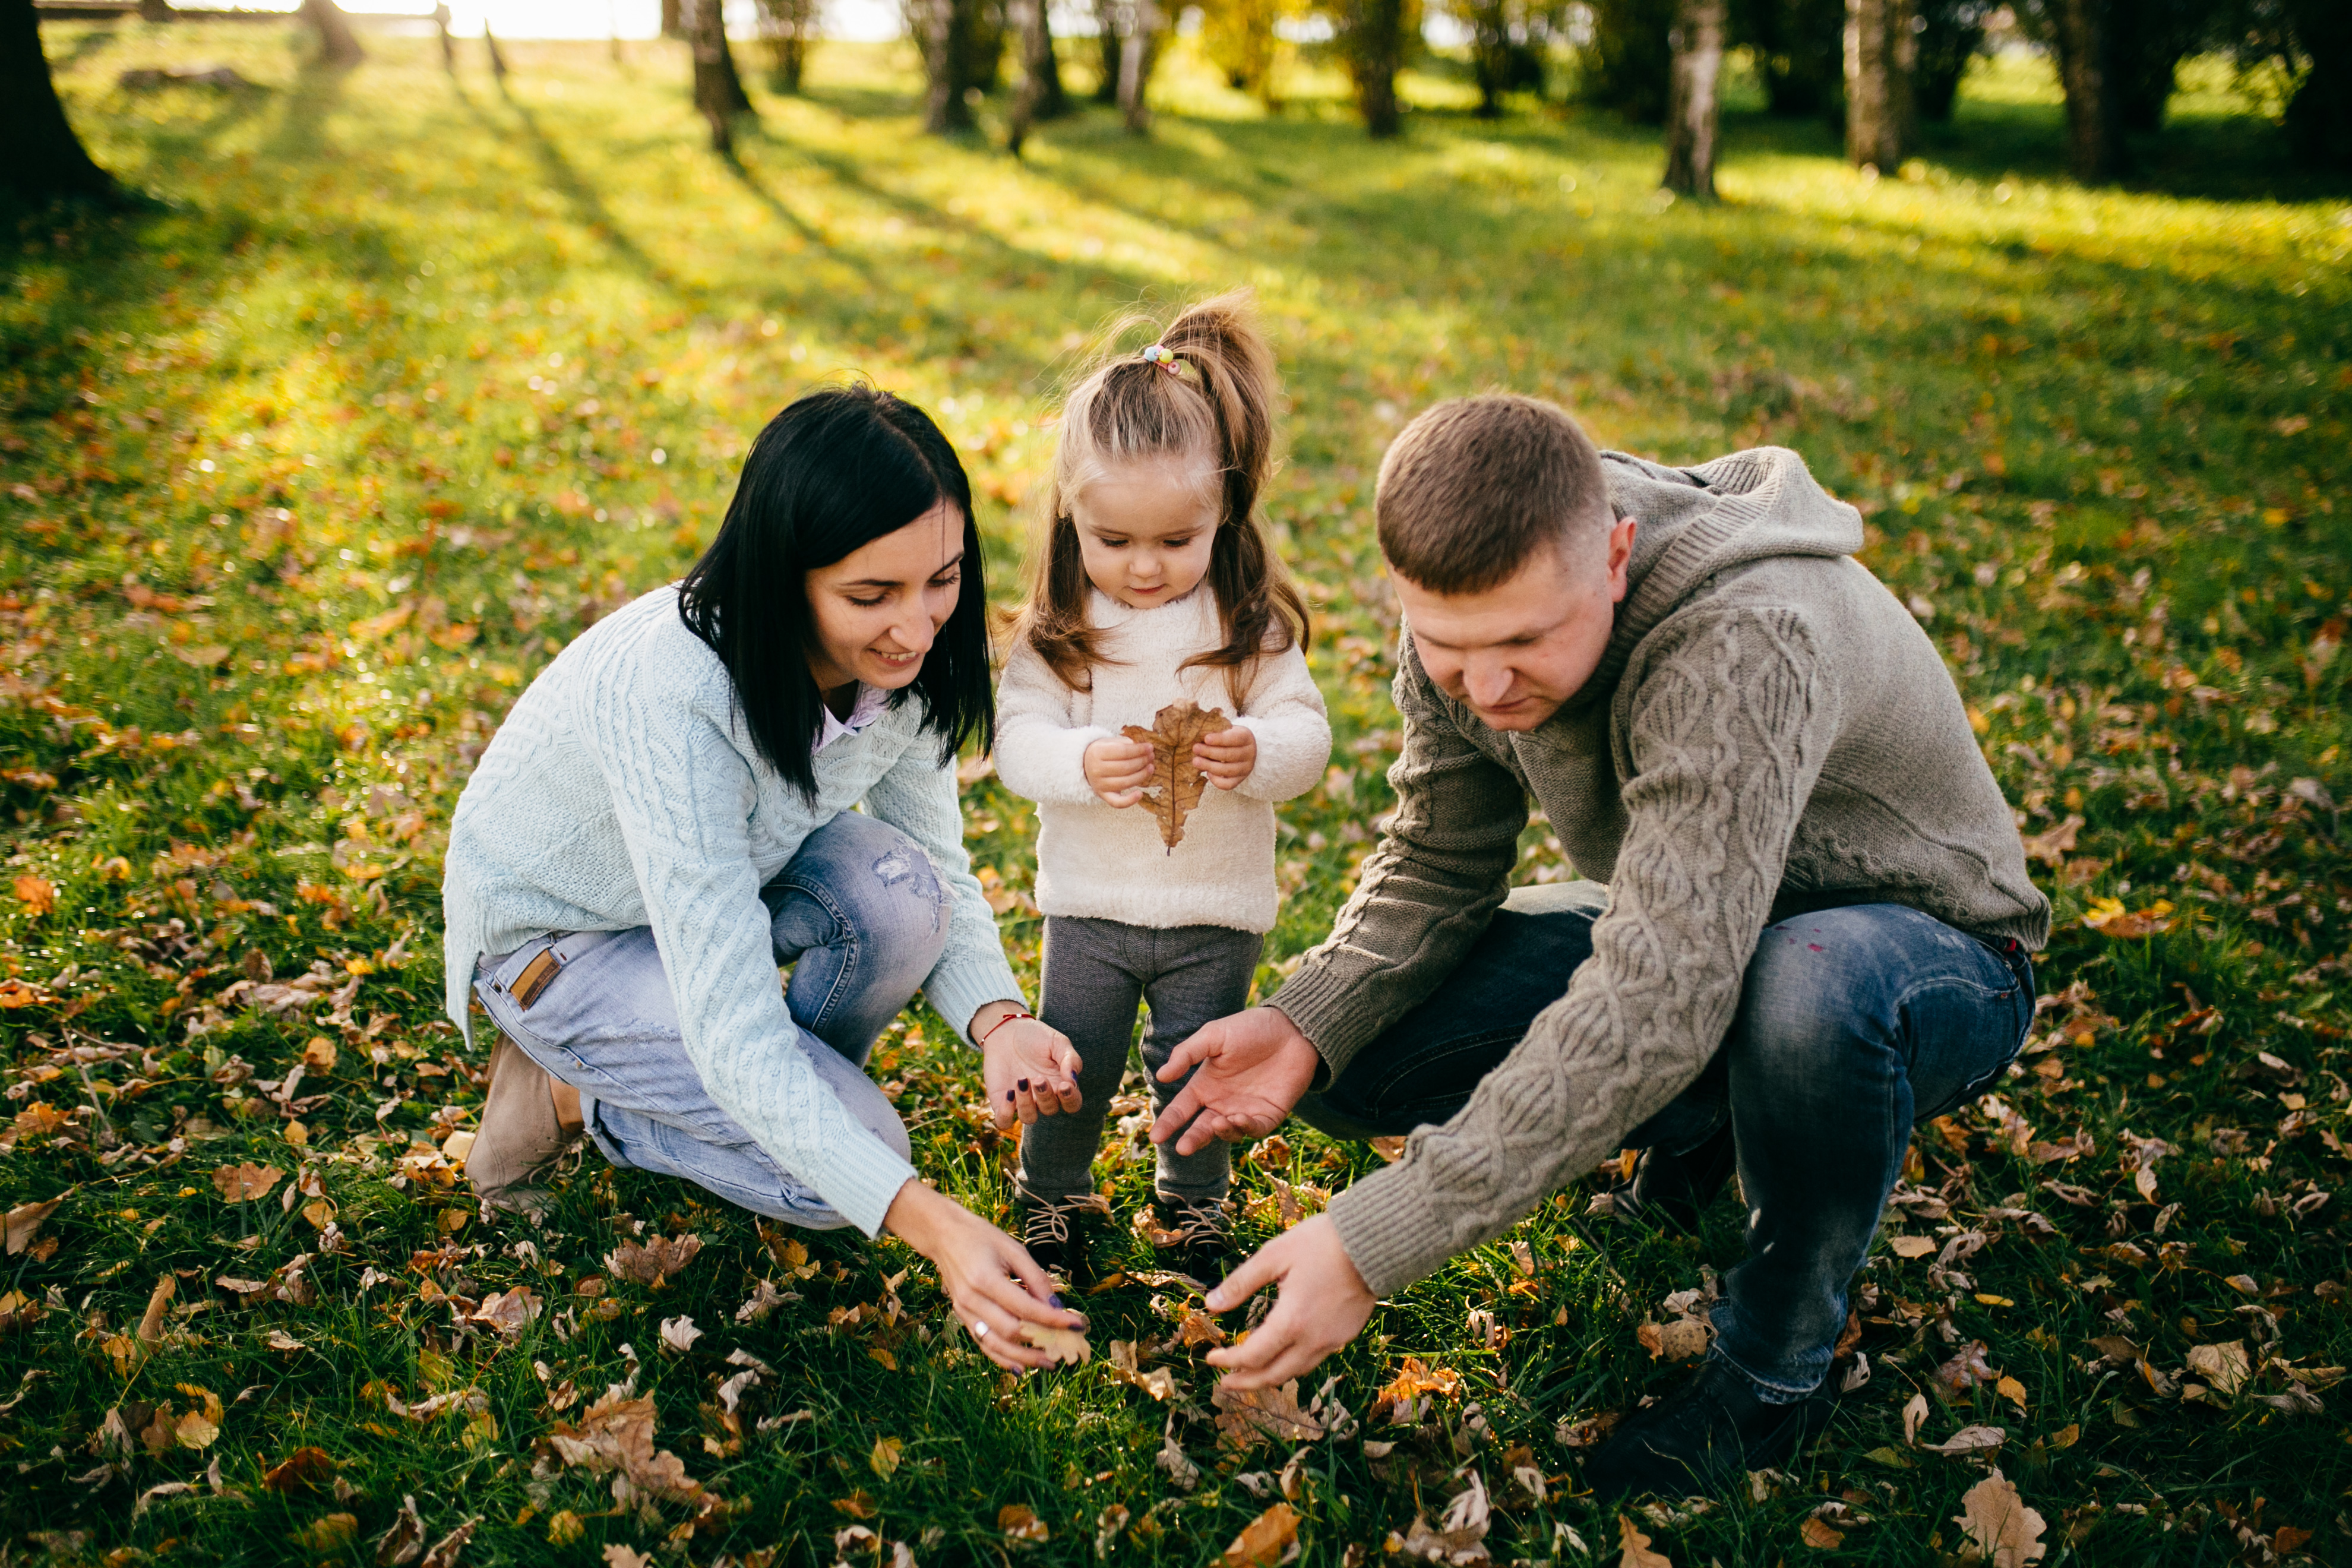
(623, 791)
(1769, 733)
(1109, 863)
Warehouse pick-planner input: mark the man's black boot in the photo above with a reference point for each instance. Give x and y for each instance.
(1674, 1189)
(1702, 1439)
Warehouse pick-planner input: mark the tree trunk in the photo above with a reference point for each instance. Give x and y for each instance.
(1138, 53)
(1694, 113)
(1879, 53)
(448, 44)
(46, 159)
(2086, 62)
(1371, 37)
(673, 18)
(2319, 115)
(1027, 19)
(498, 56)
(718, 91)
(1107, 44)
(1053, 97)
(339, 46)
(945, 31)
(157, 11)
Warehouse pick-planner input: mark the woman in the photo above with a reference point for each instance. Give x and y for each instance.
(664, 819)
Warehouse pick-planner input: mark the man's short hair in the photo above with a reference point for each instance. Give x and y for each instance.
(1470, 489)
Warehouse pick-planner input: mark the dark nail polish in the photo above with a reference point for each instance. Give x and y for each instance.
(1024, 1085)
(1056, 1302)
(1008, 1094)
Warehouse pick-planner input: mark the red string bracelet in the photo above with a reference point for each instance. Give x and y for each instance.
(1001, 1023)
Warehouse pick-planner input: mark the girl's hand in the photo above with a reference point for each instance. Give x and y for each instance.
(1117, 769)
(1029, 1069)
(1226, 756)
(990, 1278)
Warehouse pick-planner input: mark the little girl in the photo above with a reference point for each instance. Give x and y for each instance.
(1153, 585)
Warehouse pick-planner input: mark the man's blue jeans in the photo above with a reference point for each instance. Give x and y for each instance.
(1854, 1023)
(861, 917)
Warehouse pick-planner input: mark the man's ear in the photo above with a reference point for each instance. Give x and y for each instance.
(1620, 556)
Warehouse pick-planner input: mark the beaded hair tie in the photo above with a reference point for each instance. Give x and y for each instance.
(1165, 358)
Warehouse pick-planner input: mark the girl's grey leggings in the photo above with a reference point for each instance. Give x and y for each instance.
(1095, 973)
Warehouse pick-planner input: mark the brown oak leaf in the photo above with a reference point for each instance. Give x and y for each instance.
(1176, 781)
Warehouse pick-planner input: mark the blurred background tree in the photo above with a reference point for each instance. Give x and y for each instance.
(1510, 44)
(1628, 65)
(1242, 39)
(789, 28)
(1797, 48)
(46, 159)
(1374, 38)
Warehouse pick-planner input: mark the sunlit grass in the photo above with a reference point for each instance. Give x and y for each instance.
(288, 524)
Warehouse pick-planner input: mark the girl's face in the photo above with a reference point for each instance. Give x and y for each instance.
(877, 608)
(1144, 531)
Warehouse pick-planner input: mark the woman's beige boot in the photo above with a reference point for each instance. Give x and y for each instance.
(528, 1120)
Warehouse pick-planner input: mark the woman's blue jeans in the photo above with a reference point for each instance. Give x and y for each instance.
(861, 917)
(1854, 1023)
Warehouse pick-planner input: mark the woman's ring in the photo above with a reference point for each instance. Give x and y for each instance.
(979, 1330)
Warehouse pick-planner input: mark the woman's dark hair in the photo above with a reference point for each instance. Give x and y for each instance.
(838, 470)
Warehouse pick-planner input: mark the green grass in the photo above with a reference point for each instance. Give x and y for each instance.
(288, 526)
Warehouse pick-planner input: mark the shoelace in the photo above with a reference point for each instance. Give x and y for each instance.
(1050, 1222)
(1199, 1223)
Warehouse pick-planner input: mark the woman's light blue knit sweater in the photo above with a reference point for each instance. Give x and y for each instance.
(623, 791)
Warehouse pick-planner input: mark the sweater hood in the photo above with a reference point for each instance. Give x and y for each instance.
(1694, 523)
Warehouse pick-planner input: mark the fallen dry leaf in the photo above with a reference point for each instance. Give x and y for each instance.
(1019, 1523)
(1159, 1382)
(616, 1435)
(1819, 1534)
(616, 1555)
(329, 1533)
(656, 1260)
(884, 1459)
(1066, 1345)
(1177, 781)
(1413, 1380)
(1459, 1537)
(445, 1551)
(1678, 1340)
(1999, 1524)
(24, 1223)
(2225, 1367)
(303, 1470)
(1263, 1539)
(245, 1183)
(1915, 1416)
(1911, 1245)
(39, 896)
(1248, 1416)
(1969, 1440)
(1637, 1552)
(1197, 1328)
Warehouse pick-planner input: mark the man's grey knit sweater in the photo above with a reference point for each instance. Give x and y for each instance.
(1769, 732)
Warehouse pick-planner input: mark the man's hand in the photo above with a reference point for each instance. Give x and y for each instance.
(1117, 769)
(1226, 757)
(1323, 1304)
(1253, 1065)
(1029, 1069)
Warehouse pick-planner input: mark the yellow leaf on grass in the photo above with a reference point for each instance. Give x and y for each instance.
(1637, 1552)
(24, 1221)
(1912, 1245)
(564, 1528)
(1019, 1523)
(318, 1054)
(2009, 1388)
(885, 1457)
(243, 1183)
(1819, 1535)
(1999, 1524)
(1413, 1380)
(2225, 1367)
(1264, 1539)
(38, 894)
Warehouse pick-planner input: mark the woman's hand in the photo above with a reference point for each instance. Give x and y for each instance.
(990, 1278)
(1028, 1068)
(1117, 769)
(1227, 756)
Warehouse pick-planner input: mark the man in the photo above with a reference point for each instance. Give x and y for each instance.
(1805, 927)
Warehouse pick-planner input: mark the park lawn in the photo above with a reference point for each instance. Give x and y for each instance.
(305, 473)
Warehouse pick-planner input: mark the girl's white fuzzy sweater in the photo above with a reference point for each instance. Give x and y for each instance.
(1107, 863)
